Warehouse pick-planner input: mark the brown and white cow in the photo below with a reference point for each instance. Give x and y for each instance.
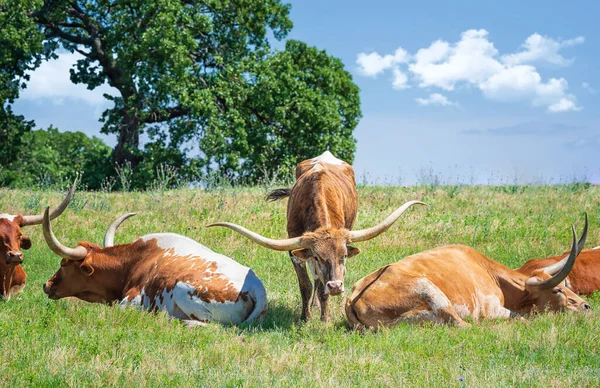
(320, 215)
(584, 278)
(12, 240)
(449, 284)
(158, 272)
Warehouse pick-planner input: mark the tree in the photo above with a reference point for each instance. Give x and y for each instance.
(289, 107)
(51, 157)
(162, 56)
(201, 73)
(12, 130)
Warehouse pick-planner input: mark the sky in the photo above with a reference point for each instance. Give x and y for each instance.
(476, 92)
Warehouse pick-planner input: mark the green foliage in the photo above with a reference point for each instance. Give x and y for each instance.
(196, 74)
(49, 157)
(292, 106)
(12, 130)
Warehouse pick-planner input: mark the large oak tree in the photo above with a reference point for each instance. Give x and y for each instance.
(199, 74)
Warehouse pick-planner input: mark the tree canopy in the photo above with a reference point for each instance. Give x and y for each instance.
(193, 74)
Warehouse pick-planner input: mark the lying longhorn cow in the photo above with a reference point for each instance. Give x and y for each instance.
(320, 215)
(448, 284)
(12, 241)
(158, 272)
(584, 278)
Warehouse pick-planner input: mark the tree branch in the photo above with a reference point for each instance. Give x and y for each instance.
(171, 113)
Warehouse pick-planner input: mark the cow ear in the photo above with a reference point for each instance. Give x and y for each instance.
(86, 269)
(302, 254)
(352, 251)
(25, 242)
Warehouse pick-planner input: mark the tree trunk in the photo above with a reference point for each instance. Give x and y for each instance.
(128, 141)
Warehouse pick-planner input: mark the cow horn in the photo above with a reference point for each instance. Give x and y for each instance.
(277, 245)
(367, 234)
(37, 219)
(76, 253)
(109, 237)
(554, 268)
(562, 272)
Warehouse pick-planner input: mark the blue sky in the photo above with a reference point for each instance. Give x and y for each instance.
(472, 92)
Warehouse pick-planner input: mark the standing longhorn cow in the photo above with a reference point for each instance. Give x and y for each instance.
(158, 272)
(448, 284)
(12, 241)
(321, 212)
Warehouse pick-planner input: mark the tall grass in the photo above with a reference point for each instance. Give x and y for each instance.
(72, 343)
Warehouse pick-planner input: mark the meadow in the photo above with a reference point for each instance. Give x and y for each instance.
(73, 343)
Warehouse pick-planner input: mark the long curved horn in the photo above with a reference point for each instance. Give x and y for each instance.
(277, 245)
(76, 253)
(367, 234)
(562, 274)
(554, 268)
(109, 237)
(37, 219)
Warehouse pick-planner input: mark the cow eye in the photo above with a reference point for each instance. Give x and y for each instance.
(558, 291)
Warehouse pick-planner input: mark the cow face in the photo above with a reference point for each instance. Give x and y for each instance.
(559, 298)
(75, 278)
(12, 240)
(326, 254)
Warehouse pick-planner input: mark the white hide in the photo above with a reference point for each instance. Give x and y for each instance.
(327, 157)
(9, 217)
(180, 302)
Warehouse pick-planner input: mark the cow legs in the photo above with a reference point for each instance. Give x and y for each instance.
(305, 285)
(323, 299)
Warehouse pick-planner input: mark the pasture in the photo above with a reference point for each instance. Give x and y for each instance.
(73, 343)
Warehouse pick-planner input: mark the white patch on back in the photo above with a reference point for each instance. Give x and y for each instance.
(9, 217)
(327, 157)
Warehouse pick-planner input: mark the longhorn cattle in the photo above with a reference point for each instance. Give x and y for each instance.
(158, 272)
(449, 284)
(583, 279)
(321, 212)
(12, 240)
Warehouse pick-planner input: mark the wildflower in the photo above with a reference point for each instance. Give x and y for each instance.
(461, 378)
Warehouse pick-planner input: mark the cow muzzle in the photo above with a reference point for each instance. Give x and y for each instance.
(14, 258)
(48, 291)
(334, 287)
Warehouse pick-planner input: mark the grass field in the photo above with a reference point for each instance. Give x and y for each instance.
(73, 343)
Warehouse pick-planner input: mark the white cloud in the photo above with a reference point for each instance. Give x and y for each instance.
(474, 61)
(538, 48)
(435, 99)
(51, 81)
(400, 79)
(588, 87)
(372, 64)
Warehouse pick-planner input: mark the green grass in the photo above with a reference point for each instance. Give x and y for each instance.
(73, 343)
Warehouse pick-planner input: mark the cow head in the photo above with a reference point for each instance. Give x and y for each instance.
(12, 239)
(82, 270)
(325, 249)
(547, 287)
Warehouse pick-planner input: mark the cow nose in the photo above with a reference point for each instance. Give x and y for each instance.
(14, 258)
(335, 287)
(47, 288)
(587, 307)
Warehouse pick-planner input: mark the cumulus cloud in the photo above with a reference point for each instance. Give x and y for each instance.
(538, 48)
(373, 64)
(51, 82)
(435, 99)
(475, 62)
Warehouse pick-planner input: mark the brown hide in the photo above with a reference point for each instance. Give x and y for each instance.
(12, 241)
(584, 278)
(112, 273)
(441, 284)
(324, 196)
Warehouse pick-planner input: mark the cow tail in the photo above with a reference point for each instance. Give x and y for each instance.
(278, 194)
(350, 311)
(259, 295)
